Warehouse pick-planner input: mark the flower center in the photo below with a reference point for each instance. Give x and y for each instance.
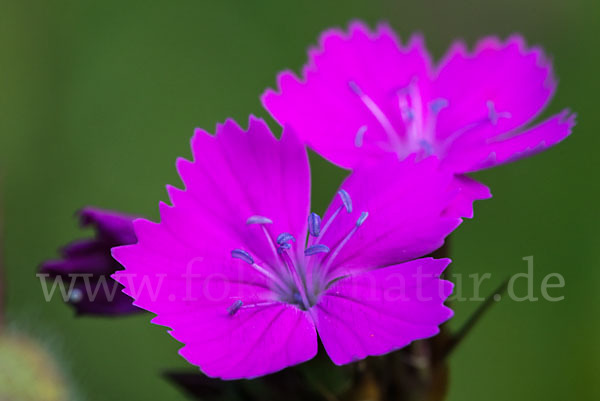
(298, 280)
(417, 131)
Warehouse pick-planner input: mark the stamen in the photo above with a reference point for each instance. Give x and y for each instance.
(493, 115)
(314, 249)
(283, 247)
(258, 220)
(426, 147)
(346, 200)
(346, 204)
(355, 88)
(379, 115)
(297, 297)
(358, 139)
(297, 280)
(362, 218)
(270, 242)
(438, 104)
(285, 238)
(331, 219)
(235, 306)
(242, 255)
(314, 224)
(407, 113)
(332, 255)
(246, 257)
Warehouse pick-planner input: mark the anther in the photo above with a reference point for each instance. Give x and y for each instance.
(438, 104)
(426, 146)
(346, 200)
(408, 113)
(314, 224)
(355, 88)
(314, 249)
(379, 115)
(285, 238)
(283, 247)
(259, 220)
(362, 218)
(358, 139)
(242, 255)
(235, 306)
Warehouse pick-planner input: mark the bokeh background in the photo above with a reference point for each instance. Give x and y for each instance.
(97, 99)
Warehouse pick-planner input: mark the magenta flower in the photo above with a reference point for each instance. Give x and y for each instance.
(363, 94)
(230, 269)
(87, 264)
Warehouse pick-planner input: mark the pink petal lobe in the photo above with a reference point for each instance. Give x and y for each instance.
(252, 343)
(322, 106)
(382, 310)
(506, 148)
(517, 81)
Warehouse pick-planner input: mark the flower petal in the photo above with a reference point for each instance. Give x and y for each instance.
(507, 148)
(468, 191)
(382, 310)
(323, 108)
(251, 343)
(194, 297)
(515, 80)
(412, 207)
(237, 175)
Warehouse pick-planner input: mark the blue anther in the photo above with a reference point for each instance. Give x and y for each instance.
(314, 249)
(284, 238)
(358, 138)
(355, 88)
(235, 306)
(362, 218)
(346, 200)
(438, 104)
(259, 220)
(242, 255)
(408, 113)
(297, 297)
(314, 224)
(283, 247)
(426, 146)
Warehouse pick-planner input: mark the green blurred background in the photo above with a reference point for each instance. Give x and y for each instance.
(98, 98)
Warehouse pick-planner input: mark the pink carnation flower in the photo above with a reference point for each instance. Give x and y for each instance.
(363, 94)
(245, 276)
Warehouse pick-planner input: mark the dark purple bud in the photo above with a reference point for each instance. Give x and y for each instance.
(87, 264)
